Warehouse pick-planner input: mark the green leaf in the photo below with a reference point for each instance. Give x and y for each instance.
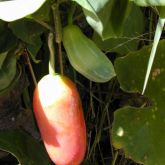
(16, 9)
(103, 17)
(129, 40)
(2, 25)
(34, 48)
(161, 10)
(97, 5)
(141, 131)
(157, 36)
(7, 39)
(27, 150)
(118, 18)
(7, 71)
(149, 2)
(2, 58)
(26, 30)
(43, 14)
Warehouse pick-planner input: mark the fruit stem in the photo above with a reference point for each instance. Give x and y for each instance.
(71, 12)
(52, 53)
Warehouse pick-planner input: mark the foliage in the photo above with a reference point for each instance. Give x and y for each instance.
(125, 113)
(23, 147)
(142, 137)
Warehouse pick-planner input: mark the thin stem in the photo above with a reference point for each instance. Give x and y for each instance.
(91, 100)
(71, 12)
(31, 69)
(115, 158)
(150, 26)
(52, 53)
(47, 26)
(157, 36)
(101, 155)
(110, 141)
(98, 136)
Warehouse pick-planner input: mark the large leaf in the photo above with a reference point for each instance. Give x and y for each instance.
(103, 16)
(149, 2)
(7, 70)
(157, 37)
(159, 3)
(161, 10)
(141, 131)
(27, 150)
(131, 34)
(26, 30)
(43, 14)
(7, 39)
(3, 56)
(11, 10)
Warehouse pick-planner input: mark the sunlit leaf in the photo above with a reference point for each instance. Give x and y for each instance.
(11, 10)
(131, 34)
(103, 16)
(149, 2)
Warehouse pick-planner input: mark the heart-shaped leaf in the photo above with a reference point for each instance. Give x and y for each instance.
(141, 131)
(103, 16)
(11, 10)
(27, 150)
(7, 39)
(131, 34)
(27, 30)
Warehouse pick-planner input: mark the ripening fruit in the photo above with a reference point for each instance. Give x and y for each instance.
(58, 111)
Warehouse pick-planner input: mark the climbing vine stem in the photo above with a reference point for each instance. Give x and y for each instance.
(58, 32)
